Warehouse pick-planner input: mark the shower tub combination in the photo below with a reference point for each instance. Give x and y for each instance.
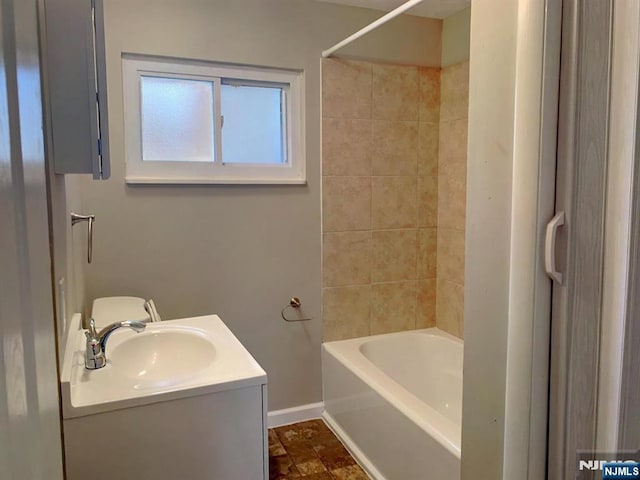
(395, 400)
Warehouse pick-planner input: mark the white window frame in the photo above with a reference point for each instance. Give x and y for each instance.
(138, 171)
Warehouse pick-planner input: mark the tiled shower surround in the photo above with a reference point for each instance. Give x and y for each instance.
(393, 200)
(452, 196)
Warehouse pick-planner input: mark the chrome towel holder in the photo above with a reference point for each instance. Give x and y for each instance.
(76, 218)
(295, 304)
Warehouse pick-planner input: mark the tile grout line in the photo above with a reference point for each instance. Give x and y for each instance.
(439, 170)
(418, 206)
(371, 141)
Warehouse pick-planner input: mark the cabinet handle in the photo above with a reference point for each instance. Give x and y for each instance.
(550, 247)
(76, 218)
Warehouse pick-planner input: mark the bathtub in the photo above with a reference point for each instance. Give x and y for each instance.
(395, 400)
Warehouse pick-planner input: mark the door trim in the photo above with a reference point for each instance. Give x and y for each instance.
(510, 198)
(619, 398)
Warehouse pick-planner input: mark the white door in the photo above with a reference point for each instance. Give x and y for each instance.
(30, 442)
(592, 376)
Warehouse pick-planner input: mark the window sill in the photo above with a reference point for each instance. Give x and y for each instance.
(129, 180)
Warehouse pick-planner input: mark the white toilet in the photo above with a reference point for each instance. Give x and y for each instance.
(108, 310)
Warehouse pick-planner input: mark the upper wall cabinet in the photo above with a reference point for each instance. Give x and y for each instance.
(74, 55)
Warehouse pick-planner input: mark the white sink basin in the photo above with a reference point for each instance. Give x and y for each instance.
(167, 361)
(158, 358)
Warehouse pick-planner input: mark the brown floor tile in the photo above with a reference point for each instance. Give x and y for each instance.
(334, 456)
(352, 472)
(273, 436)
(315, 430)
(311, 467)
(276, 448)
(301, 451)
(328, 441)
(305, 458)
(319, 476)
(289, 435)
(310, 451)
(281, 468)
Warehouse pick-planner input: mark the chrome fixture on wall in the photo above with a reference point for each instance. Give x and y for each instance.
(295, 304)
(76, 218)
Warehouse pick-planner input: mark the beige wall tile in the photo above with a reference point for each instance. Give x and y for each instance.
(426, 303)
(396, 92)
(393, 202)
(451, 255)
(452, 166)
(429, 94)
(452, 197)
(395, 148)
(394, 163)
(346, 258)
(346, 146)
(453, 148)
(427, 252)
(394, 255)
(427, 201)
(393, 307)
(346, 203)
(450, 307)
(346, 312)
(346, 88)
(454, 92)
(428, 139)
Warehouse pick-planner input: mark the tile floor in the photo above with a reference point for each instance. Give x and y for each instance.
(310, 451)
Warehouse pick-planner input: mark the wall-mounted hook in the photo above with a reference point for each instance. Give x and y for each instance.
(76, 218)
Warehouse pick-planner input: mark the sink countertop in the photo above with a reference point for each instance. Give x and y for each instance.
(227, 365)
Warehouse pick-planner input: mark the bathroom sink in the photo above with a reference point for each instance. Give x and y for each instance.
(157, 358)
(167, 361)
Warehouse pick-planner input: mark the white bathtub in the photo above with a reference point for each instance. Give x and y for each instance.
(396, 402)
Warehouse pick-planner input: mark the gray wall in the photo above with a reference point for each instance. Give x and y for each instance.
(69, 248)
(456, 37)
(239, 251)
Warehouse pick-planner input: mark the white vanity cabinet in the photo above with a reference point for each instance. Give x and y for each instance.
(75, 90)
(219, 436)
(182, 399)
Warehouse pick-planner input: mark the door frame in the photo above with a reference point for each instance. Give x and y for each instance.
(30, 430)
(618, 418)
(510, 184)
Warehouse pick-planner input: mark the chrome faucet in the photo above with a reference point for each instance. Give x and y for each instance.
(94, 356)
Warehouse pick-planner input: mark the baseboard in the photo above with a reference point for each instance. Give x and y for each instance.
(366, 464)
(301, 413)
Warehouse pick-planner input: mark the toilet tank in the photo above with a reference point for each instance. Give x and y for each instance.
(107, 310)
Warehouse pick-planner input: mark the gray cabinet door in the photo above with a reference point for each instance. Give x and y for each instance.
(74, 59)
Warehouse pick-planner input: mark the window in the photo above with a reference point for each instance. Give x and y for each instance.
(197, 122)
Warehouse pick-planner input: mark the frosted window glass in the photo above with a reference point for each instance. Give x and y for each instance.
(177, 120)
(253, 124)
